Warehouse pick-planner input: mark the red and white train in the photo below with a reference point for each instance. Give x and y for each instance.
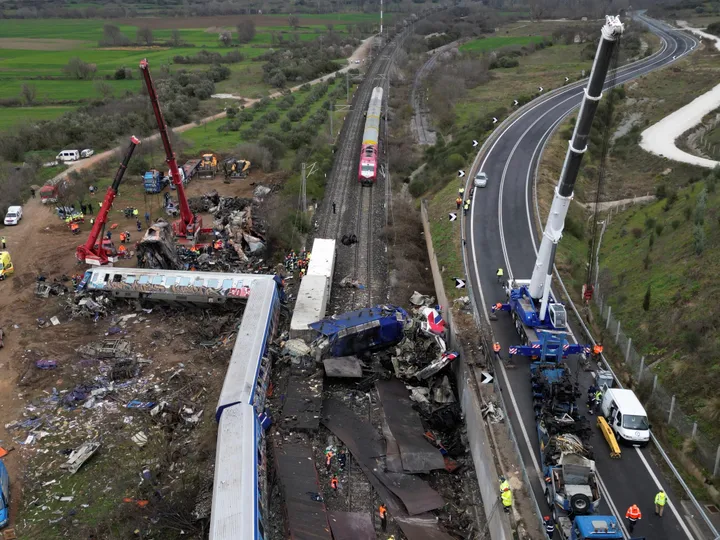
(369, 153)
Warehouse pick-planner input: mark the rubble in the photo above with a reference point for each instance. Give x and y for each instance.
(80, 456)
(345, 366)
(157, 247)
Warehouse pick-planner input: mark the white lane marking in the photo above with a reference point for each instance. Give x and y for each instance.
(669, 502)
(613, 509)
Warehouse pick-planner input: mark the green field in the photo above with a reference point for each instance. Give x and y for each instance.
(492, 43)
(10, 117)
(34, 51)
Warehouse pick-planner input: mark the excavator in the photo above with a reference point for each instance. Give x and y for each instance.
(189, 226)
(208, 166)
(99, 250)
(235, 168)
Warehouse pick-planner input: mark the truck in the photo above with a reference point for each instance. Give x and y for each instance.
(187, 172)
(49, 193)
(154, 181)
(591, 528)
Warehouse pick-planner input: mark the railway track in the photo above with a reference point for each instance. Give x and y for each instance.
(359, 210)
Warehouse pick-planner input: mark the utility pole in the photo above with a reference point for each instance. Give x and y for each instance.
(381, 15)
(303, 191)
(347, 86)
(331, 122)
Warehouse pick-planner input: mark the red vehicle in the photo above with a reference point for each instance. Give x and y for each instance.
(98, 249)
(369, 153)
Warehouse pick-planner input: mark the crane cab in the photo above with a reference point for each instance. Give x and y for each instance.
(558, 315)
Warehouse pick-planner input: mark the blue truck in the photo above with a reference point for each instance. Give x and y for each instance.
(592, 528)
(4, 496)
(154, 181)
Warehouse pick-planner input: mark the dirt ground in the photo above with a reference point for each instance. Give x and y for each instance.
(34, 44)
(42, 244)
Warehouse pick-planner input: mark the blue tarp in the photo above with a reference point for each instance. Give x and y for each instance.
(363, 330)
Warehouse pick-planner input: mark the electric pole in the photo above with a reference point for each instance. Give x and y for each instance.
(331, 121)
(303, 191)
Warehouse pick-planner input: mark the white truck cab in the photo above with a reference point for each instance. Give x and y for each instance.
(626, 416)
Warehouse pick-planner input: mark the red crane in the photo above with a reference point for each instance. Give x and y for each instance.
(189, 224)
(96, 250)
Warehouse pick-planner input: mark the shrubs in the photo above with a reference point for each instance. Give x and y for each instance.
(210, 57)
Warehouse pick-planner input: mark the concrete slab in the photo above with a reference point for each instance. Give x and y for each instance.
(351, 526)
(348, 367)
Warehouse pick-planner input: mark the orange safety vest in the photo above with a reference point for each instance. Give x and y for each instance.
(122, 249)
(383, 511)
(328, 458)
(633, 513)
(597, 349)
(334, 483)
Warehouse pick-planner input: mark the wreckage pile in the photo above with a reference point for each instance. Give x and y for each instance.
(409, 459)
(236, 245)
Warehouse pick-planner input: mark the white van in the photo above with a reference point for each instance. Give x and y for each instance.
(13, 216)
(68, 155)
(626, 416)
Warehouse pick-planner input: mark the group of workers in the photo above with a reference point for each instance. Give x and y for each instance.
(465, 204)
(294, 261)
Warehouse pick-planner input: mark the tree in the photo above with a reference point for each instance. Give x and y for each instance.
(294, 21)
(226, 38)
(28, 93)
(113, 37)
(144, 36)
(646, 300)
(77, 69)
(175, 38)
(105, 89)
(246, 30)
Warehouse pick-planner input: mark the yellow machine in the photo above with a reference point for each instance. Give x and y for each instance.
(235, 168)
(609, 437)
(7, 266)
(208, 166)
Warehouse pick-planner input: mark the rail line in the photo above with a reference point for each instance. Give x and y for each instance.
(356, 205)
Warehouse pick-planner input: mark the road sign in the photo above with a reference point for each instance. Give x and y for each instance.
(540, 88)
(461, 173)
(494, 120)
(486, 377)
(567, 79)
(475, 143)
(452, 216)
(516, 102)
(459, 283)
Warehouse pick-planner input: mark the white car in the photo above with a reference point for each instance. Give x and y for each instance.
(87, 153)
(13, 216)
(480, 180)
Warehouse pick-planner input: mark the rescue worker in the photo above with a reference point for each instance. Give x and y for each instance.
(4, 244)
(109, 235)
(92, 221)
(597, 351)
(461, 192)
(458, 203)
(135, 212)
(505, 495)
(147, 218)
(342, 459)
(596, 400)
(383, 517)
(75, 228)
(334, 483)
(499, 275)
(466, 207)
(90, 209)
(497, 307)
(127, 236)
(123, 238)
(122, 251)
(496, 350)
(591, 394)
(633, 515)
(328, 460)
(660, 500)
(549, 523)
(139, 225)
(218, 244)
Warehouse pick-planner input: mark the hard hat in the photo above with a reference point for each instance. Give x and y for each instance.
(546, 518)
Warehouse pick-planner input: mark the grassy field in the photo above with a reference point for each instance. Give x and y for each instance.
(34, 51)
(12, 117)
(492, 43)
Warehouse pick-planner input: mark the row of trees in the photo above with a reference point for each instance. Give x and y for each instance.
(113, 37)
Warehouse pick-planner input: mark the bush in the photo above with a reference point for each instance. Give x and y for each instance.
(231, 112)
(687, 211)
(455, 161)
(661, 191)
(675, 224)
(245, 116)
(574, 227)
(637, 232)
(257, 155)
(417, 187)
(77, 69)
(294, 115)
(274, 145)
(285, 126)
(659, 229)
(272, 116)
(649, 223)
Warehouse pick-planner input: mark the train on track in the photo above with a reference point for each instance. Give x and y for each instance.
(369, 151)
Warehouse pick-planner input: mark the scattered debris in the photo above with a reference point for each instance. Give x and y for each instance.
(344, 366)
(79, 456)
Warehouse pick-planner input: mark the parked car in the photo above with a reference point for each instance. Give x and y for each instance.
(480, 179)
(68, 155)
(14, 215)
(87, 153)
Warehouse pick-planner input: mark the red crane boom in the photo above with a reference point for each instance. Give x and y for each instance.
(189, 224)
(96, 250)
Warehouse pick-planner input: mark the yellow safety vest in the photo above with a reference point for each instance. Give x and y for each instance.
(507, 498)
(500, 272)
(660, 498)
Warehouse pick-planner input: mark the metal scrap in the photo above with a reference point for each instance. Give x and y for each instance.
(79, 456)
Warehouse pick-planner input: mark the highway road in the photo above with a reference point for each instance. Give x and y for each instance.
(501, 232)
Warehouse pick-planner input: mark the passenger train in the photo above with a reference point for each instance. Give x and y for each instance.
(370, 150)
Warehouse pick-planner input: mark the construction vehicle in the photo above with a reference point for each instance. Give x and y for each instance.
(235, 168)
(99, 250)
(189, 226)
(541, 322)
(6, 266)
(539, 319)
(154, 181)
(208, 166)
